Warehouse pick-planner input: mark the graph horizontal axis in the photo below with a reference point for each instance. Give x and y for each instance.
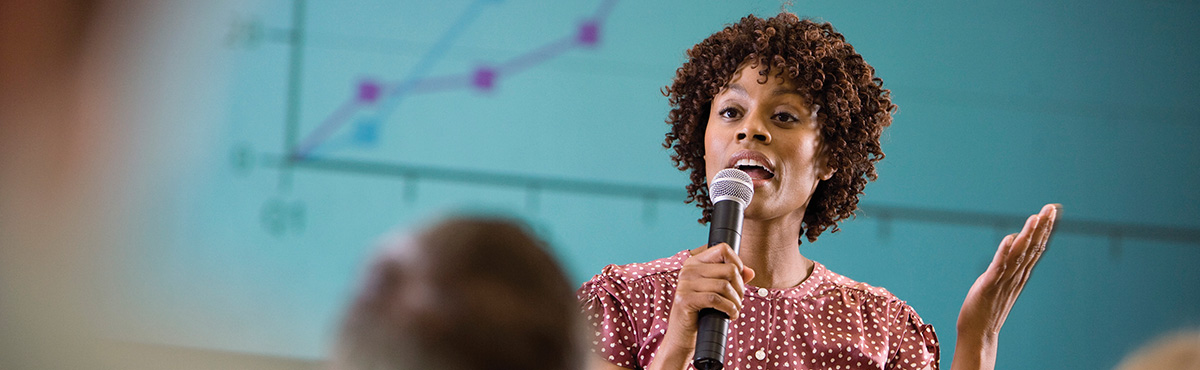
(878, 212)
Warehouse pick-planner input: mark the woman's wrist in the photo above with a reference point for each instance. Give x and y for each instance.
(974, 350)
(674, 353)
(669, 358)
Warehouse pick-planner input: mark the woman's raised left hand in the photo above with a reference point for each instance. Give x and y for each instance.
(992, 296)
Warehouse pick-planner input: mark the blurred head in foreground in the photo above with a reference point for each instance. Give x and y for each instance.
(1178, 351)
(463, 294)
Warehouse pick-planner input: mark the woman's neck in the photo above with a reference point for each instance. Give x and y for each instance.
(771, 248)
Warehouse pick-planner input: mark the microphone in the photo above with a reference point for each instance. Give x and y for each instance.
(730, 192)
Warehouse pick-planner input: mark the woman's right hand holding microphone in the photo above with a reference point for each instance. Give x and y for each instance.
(713, 277)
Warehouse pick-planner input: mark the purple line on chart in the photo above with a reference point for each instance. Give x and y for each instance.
(483, 78)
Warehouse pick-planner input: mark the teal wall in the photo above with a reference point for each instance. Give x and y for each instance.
(1004, 106)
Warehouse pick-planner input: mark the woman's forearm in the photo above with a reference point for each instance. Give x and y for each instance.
(974, 352)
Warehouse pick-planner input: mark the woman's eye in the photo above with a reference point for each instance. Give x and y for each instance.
(786, 117)
(729, 113)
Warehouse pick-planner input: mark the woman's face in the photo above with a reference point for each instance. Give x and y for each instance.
(770, 131)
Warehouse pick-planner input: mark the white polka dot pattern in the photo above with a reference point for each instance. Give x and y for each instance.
(827, 322)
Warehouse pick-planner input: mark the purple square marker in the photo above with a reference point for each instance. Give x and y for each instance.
(589, 33)
(484, 78)
(368, 92)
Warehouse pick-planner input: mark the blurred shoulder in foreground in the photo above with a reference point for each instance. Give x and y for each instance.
(1178, 351)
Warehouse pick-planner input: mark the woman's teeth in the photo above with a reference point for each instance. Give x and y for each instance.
(754, 168)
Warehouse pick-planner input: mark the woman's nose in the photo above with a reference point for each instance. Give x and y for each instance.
(754, 129)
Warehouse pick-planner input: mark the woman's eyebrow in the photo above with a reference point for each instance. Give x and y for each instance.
(736, 89)
(785, 91)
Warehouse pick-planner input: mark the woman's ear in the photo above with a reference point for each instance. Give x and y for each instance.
(824, 169)
(827, 171)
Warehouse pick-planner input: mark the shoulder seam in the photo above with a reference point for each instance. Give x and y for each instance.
(867, 292)
(627, 280)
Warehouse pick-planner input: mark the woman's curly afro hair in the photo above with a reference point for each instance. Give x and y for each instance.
(854, 106)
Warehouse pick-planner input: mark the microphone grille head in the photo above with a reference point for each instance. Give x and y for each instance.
(731, 184)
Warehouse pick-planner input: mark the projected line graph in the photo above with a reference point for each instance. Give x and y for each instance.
(382, 98)
(385, 96)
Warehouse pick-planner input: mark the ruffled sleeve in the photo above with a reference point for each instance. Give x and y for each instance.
(914, 344)
(611, 321)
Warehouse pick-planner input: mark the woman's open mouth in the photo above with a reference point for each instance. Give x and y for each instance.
(757, 170)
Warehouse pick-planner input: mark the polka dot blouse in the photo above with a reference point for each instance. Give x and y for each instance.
(827, 322)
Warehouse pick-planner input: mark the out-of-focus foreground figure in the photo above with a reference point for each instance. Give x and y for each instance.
(1177, 351)
(464, 294)
(51, 140)
(72, 173)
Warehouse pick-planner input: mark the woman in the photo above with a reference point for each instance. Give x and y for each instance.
(792, 104)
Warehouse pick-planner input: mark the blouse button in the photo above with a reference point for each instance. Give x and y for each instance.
(760, 354)
(762, 292)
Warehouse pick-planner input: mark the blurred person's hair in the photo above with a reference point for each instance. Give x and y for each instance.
(1175, 351)
(464, 294)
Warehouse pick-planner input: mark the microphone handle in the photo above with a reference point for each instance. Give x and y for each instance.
(710, 340)
(713, 324)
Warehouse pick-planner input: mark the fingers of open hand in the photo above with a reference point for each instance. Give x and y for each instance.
(1049, 216)
(1051, 212)
(999, 261)
(1042, 232)
(1035, 244)
(1018, 251)
(1026, 249)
